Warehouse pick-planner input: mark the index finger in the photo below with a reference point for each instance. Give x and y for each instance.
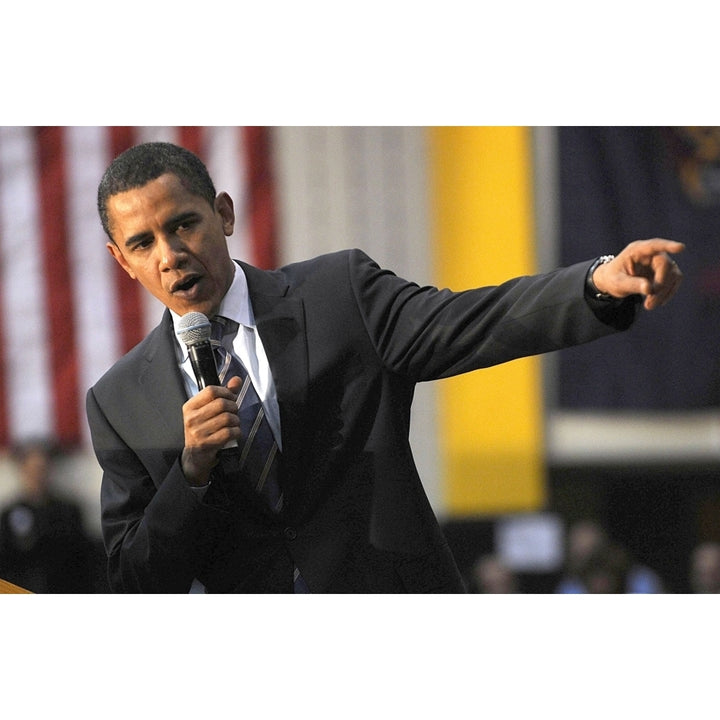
(208, 394)
(659, 245)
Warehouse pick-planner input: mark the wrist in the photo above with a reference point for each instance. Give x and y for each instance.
(191, 473)
(590, 287)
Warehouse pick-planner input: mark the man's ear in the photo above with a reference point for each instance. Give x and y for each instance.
(224, 207)
(115, 252)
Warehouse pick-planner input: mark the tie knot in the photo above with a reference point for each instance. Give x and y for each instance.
(221, 327)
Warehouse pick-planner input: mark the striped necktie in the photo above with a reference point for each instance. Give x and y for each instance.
(259, 455)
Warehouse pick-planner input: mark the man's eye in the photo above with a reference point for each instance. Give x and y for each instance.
(143, 244)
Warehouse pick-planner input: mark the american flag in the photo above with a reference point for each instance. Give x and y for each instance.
(67, 310)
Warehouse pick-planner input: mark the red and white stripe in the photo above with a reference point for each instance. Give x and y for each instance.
(67, 310)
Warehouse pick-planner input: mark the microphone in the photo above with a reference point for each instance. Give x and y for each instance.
(194, 331)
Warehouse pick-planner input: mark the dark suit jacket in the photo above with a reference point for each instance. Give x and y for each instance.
(347, 342)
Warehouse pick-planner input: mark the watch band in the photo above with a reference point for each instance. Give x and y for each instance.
(590, 285)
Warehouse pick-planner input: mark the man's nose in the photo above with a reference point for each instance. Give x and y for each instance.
(171, 252)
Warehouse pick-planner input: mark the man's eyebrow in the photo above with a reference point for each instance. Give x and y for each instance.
(178, 219)
(139, 237)
(171, 223)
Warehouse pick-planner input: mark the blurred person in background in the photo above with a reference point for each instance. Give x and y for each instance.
(705, 568)
(490, 575)
(593, 562)
(43, 544)
(606, 570)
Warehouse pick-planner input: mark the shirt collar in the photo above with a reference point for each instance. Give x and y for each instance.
(235, 305)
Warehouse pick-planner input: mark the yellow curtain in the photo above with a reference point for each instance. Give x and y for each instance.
(491, 440)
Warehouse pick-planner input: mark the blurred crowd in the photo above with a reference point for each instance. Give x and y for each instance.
(595, 563)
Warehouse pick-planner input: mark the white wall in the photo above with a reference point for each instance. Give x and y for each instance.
(366, 187)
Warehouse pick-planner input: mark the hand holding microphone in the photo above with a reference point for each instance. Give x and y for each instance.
(210, 418)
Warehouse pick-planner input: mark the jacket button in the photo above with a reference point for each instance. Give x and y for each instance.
(290, 533)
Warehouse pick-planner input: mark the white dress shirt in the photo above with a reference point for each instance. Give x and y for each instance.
(247, 346)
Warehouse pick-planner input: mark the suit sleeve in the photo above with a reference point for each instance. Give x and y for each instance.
(428, 333)
(153, 531)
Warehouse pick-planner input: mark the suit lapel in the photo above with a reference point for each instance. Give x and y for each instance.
(281, 326)
(162, 382)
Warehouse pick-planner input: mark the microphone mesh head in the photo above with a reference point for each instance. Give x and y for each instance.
(193, 328)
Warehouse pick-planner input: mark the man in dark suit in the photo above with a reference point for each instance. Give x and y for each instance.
(334, 347)
(44, 547)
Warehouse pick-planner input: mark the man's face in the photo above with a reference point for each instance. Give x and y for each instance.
(173, 243)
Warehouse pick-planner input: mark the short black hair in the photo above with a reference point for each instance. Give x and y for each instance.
(140, 164)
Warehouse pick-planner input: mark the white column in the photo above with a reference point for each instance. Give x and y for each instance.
(366, 187)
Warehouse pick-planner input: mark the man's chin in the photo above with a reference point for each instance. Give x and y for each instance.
(206, 308)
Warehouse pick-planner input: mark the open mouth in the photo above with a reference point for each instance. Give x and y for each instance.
(186, 284)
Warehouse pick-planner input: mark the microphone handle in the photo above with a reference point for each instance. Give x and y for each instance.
(202, 359)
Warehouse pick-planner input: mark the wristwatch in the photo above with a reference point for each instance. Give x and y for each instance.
(590, 285)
